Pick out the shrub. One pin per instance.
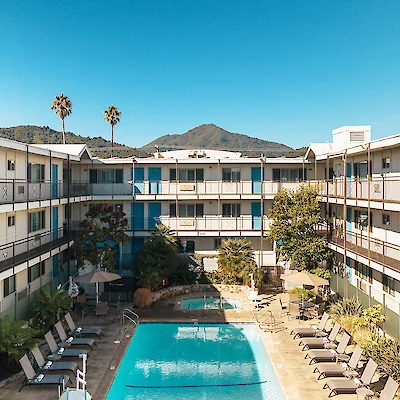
(304, 293)
(349, 306)
(322, 272)
(142, 298)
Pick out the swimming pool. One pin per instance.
(192, 362)
(211, 302)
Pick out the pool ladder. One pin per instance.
(130, 316)
(266, 321)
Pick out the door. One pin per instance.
(155, 180)
(349, 183)
(154, 212)
(256, 179)
(138, 180)
(54, 222)
(256, 215)
(54, 180)
(349, 224)
(138, 216)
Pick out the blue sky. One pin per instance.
(285, 71)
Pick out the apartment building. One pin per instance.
(359, 182)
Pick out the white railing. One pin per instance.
(130, 316)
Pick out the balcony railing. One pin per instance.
(19, 251)
(378, 250)
(15, 190)
(377, 189)
(202, 224)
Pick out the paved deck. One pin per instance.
(294, 373)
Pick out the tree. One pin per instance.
(296, 215)
(63, 106)
(236, 262)
(16, 339)
(103, 228)
(164, 231)
(51, 306)
(112, 115)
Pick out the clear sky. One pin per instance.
(288, 71)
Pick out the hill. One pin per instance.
(210, 136)
(43, 134)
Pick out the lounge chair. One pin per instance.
(51, 366)
(319, 343)
(74, 330)
(390, 389)
(63, 352)
(71, 341)
(329, 355)
(344, 386)
(330, 369)
(34, 379)
(309, 332)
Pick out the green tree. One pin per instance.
(236, 262)
(16, 339)
(296, 216)
(112, 115)
(51, 306)
(63, 106)
(165, 232)
(98, 235)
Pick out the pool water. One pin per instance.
(195, 362)
(209, 302)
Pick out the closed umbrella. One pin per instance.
(305, 278)
(97, 277)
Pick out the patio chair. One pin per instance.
(71, 341)
(62, 351)
(53, 365)
(319, 343)
(74, 330)
(294, 311)
(101, 309)
(390, 389)
(315, 312)
(344, 386)
(116, 305)
(329, 355)
(309, 332)
(330, 369)
(34, 379)
(284, 309)
(293, 297)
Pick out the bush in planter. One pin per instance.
(304, 294)
(16, 339)
(142, 298)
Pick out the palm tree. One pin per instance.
(165, 232)
(112, 115)
(63, 106)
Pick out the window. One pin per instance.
(385, 219)
(191, 210)
(289, 174)
(37, 221)
(231, 210)
(361, 220)
(231, 174)
(9, 285)
(363, 271)
(35, 271)
(36, 172)
(187, 175)
(361, 170)
(172, 210)
(386, 163)
(389, 284)
(106, 176)
(11, 165)
(11, 220)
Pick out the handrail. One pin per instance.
(265, 312)
(131, 316)
(263, 324)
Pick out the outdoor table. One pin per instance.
(364, 392)
(75, 395)
(330, 345)
(342, 357)
(54, 357)
(350, 374)
(321, 334)
(304, 304)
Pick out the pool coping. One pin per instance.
(178, 301)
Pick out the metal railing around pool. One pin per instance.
(130, 316)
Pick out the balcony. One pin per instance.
(212, 224)
(22, 250)
(377, 189)
(383, 253)
(16, 191)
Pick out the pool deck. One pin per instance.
(294, 373)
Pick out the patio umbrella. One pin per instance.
(305, 278)
(97, 277)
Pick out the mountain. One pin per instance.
(43, 134)
(210, 136)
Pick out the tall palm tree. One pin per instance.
(112, 115)
(63, 106)
(165, 232)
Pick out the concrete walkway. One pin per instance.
(293, 371)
